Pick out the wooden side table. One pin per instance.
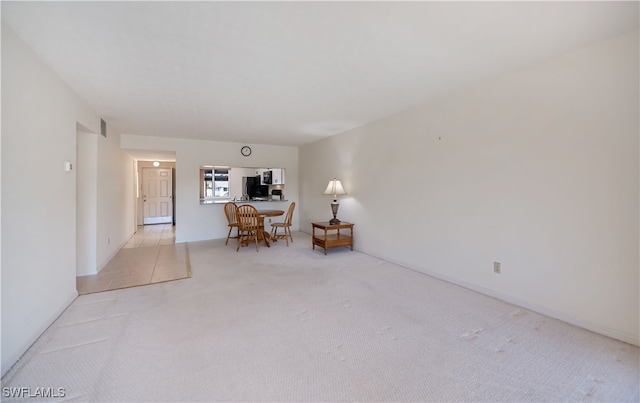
(332, 240)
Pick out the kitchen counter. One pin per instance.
(238, 202)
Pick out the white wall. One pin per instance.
(537, 170)
(116, 187)
(195, 222)
(235, 180)
(39, 118)
(86, 201)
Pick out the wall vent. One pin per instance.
(103, 128)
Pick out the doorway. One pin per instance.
(157, 196)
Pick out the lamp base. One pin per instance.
(334, 210)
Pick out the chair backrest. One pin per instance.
(289, 216)
(248, 217)
(230, 212)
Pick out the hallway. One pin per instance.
(152, 235)
(150, 256)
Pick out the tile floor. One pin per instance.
(152, 235)
(151, 256)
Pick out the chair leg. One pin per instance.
(254, 235)
(228, 235)
(241, 238)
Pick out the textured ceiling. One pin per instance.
(290, 73)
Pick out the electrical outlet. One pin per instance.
(497, 267)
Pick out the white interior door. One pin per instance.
(157, 196)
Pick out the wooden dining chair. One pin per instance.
(286, 226)
(249, 225)
(232, 221)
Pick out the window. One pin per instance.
(215, 183)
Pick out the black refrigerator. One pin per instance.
(251, 185)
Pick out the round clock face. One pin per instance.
(246, 151)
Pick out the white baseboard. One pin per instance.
(113, 254)
(28, 342)
(605, 331)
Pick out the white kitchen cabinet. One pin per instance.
(277, 176)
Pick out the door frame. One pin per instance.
(142, 164)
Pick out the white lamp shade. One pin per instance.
(334, 188)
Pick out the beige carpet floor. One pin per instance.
(290, 324)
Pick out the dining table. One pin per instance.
(264, 235)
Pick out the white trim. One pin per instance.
(112, 255)
(26, 345)
(157, 220)
(605, 331)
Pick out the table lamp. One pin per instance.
(334, 188)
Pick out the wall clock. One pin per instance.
(246, 151)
